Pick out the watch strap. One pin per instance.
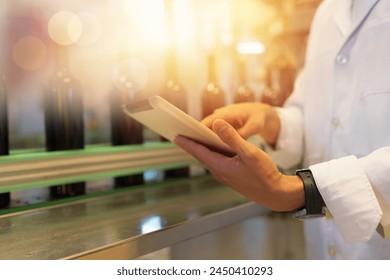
(314, 204)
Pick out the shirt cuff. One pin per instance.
(347, 193)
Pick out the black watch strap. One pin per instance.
(314, 204)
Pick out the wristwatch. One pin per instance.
(314, 204)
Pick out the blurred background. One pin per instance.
(247, 50)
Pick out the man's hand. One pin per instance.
(249, 119)
(251, 172)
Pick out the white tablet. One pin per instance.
(169, 121)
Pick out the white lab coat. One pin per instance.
(338, 118)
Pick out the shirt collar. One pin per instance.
(347, 14)
(360, 8)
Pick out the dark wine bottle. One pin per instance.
(5, 198)
(64, 125)
(125, 87)
(213, 97)
(272, 93)
(243, 93)
(280, 77)
(175, 93)
(124, 130)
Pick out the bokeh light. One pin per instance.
(29, 53)
(250, 48)
(65, 28)
(91, 29)
(130, 75)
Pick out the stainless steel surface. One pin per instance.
(125, 224)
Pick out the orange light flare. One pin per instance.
(29, 53)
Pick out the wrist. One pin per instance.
(294, 190)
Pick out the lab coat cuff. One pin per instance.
(349, 197)
(377, 167)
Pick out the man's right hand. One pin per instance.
(249, 119)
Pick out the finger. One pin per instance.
(248, 129)
(229, 117)
(208, 121)
(233, 139)
(200, 152)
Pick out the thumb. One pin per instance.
(230, 136)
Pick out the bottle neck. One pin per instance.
(211, 69)
(275, 80)
(171, 66)
(242, 73)
(61, 61)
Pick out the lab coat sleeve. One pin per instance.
(289, 147)
(347, 186)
